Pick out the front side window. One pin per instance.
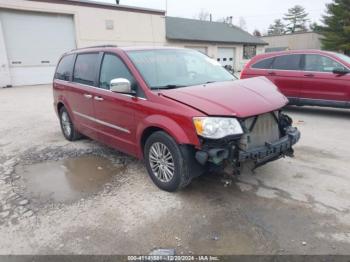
(85, 69)
(177, 68)
(263, 64)
(343, 57)
(65, 68)
(112, 67)
(319, 63)
(249, 51)
(287, 62)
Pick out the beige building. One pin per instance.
(297, 41)
(34, 33)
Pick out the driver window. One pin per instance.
(112, 67)
(318, 63)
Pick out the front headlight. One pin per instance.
(217, 127)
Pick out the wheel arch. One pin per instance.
(161, 123)
(62, 102)
(59, 105)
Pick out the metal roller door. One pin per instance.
(33, 43)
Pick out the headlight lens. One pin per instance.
(217, 127)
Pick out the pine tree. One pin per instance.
(336, 29)
(277, 28)
(296, 19)
(314, 27)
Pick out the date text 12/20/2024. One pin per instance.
(173, 258)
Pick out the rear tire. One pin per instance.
(165, 163)
(67, 126)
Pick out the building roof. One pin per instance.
(206, 31)
(291, 34)
(276, 49)
(96, 4)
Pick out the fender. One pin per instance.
(173, 128)
(63, 100)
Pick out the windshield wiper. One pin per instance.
(167, 87)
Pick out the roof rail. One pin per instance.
(96, 46)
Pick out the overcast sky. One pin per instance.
(257, 13)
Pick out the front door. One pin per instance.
(115, 111)
(321, 83)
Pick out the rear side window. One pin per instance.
(287, 62)
(85, 69)
(263, 64)
(65, 68)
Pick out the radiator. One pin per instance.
(264, 130)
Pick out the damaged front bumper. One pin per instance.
(260, 155)
(281, 147)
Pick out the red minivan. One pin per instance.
(175, 108)
(306, 77)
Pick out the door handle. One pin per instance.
(98, 98)
(272, 73)
(87, 96)
(309, 75)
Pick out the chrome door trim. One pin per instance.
(102, 122)
(104, 90)
(98, 98)
(88, 96)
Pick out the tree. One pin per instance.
(277, 28)
(117, 2)
(296, 19)
(242, 23)
(203, 15)
(336, 29)
(314, 27)
(257, 33)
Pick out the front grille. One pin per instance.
(264, 129)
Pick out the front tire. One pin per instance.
(165, 162)
(67, 126)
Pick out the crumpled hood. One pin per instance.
(240, 98)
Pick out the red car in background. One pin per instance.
(306, 77)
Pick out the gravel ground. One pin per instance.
(291, 206)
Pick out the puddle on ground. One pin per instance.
(67, 180)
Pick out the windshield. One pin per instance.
(343, 57)
(173, 68)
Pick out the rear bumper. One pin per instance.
(278, 148)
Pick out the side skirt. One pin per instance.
(318, 102)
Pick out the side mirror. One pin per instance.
(341, 71)
(120, 85)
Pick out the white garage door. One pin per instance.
(226, 56)
(34, 42)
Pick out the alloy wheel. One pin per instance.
(161, 162)
(66, 124)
